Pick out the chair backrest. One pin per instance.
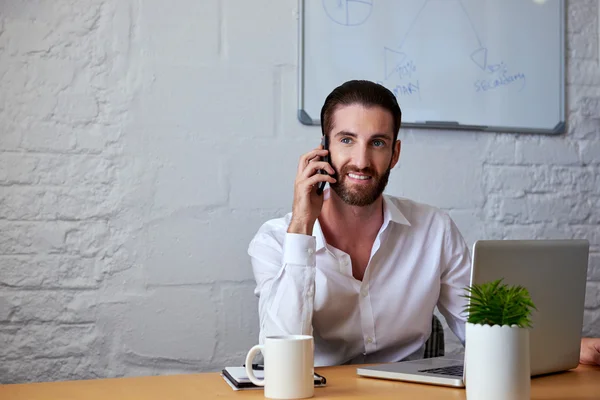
(434, 347)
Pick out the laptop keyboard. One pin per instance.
(453, 370)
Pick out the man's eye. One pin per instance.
(378, 143)
(346, 140)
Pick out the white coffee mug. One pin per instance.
(288, 366)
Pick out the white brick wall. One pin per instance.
(142, 143)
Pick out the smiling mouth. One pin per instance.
(359, 177)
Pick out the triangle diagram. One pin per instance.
(479, 57)
(392, 60)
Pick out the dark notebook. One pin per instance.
(237, 378)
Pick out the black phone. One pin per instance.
(327, 159)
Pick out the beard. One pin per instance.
(357, 196)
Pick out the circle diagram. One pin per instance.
(348, 12)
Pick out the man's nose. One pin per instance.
(362, 157)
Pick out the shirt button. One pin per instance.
(369, 340)
(310, 252)
(364, 293)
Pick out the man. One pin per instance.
(359, 270)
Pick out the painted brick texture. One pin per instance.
(142, 143)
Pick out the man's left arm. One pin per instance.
(455, 277)
(590, 351)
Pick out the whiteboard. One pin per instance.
(496, 65)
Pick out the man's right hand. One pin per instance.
(307, 203)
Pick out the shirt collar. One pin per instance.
(391, 213)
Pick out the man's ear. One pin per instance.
(396, 153)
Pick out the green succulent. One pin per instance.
(496, 303)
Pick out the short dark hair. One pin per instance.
(362, 92)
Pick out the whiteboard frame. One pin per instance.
(560, 127)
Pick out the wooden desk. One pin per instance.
(342, 383)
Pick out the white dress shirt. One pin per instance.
(305, 286)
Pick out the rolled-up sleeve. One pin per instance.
(284, 271)
(455, 277)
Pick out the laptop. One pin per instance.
(554, 272)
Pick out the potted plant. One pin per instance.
(497, 365)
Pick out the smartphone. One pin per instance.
(327, 159)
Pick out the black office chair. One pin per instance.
(434, 346)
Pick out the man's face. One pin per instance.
(363, 152)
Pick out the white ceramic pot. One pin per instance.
(497, 364)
